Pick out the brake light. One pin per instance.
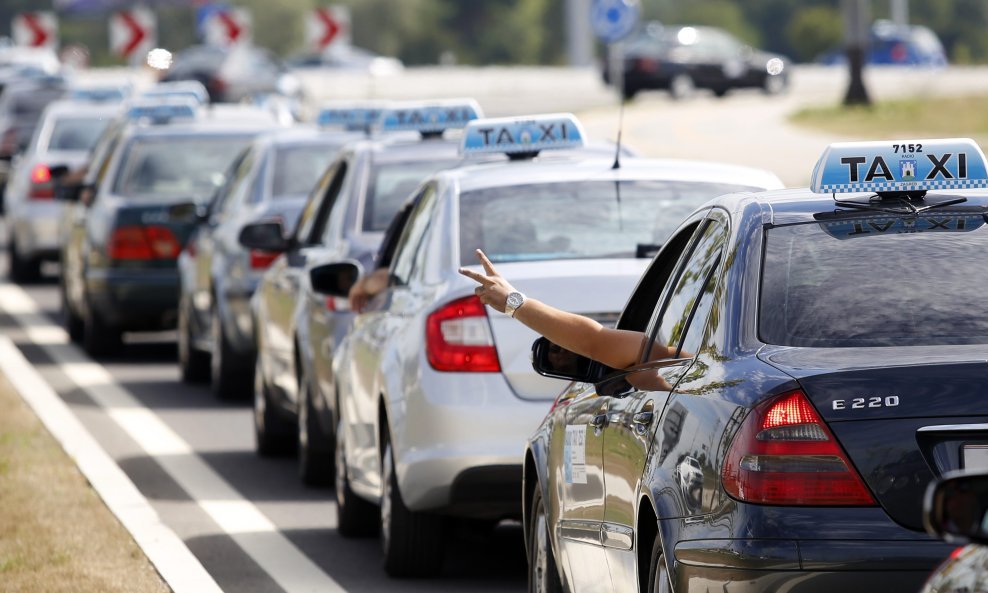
(784, 454)
(458, 338)
(42, 187)
(261, 260)
(136, 242)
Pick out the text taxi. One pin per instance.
(828, 367)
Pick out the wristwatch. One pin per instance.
(515, 300)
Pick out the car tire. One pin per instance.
(681, 87)
(23, 270)
(412, 542)
(355, 517)
(273, 435)
(658, 576)
(543, 574)
(98, 337)
(72, 323)
(193, 363)
(315, 448)
(228, 371)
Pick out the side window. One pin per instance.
(676, 308)
(411, 239)
(313, 219)
(229, 194)
(105, 164)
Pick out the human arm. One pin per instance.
(615, 348)
(366, 287)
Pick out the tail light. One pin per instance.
(647, 65)
(42, 187)
(261, 260)
(458, 338)
(136, 242)
(784, 454)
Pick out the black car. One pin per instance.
(232, 74)
(680, 59)
(124, 235)
(828, 365)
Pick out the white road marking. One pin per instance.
(236, 516)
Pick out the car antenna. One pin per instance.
(617, 151)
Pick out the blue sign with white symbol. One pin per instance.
(353, 118)
(523, 135)
(430, 118)
(100, 94)
(613, 20)
(913, 165)
(158, 111)
(187, 89)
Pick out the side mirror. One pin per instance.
(956, 507)
(550, 360)
(264, 235)
(335, 279)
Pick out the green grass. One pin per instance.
(929, 117)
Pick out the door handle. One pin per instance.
(642, 420)
(597, 422)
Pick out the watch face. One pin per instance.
(514, 300)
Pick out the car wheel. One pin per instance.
(315, 447)
(681, 87)
(22, 269)
(543, 576)
(774, 85)
(272, 434)
(71, 322)
(98, 337)
(355, 517)
(228, 372)
(658, 576)
(412, 542)
(193, 363)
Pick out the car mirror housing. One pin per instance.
(551, 360)
(956, 507)
(335, 279)
(265, 235)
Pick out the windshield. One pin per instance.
(875, 281)
(393, 183)
(297, 168)
(577, 220)
(178, 166)
(76, 133)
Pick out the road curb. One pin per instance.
(176, 564)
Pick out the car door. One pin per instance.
(632, 416)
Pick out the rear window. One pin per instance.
(875, 281)
(577, 220)
(76, 133)
(297, 168)
(391, 184)
(176, 167)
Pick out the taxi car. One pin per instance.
(825, 373)
(66, 132)
(217, 276)
(123, 237)
(436, 398)
(345, 218)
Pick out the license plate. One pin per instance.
(975, 457)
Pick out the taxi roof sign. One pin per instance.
(192, 89)
(433, 117)
(906, 166)
(159, 111)
(350, 116)
(100, 94)
(523, 135)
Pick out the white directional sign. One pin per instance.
(132, 32)
(228, 26)
(328, 26)
(35, 29)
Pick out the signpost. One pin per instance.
(328, 26)
(226, 26)
(612, 21)
(35, 29)
(133, 33)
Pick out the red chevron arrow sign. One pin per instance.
(35, 29)
(132, 32)
(328, 26)
(228, 27)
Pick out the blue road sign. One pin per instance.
(613, 20)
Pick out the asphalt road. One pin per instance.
(249, 520)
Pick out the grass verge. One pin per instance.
(929, 117)
(56, 536)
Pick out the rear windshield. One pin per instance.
(176, 167)
(577, 220)
(391, 184)
(76, 133)
(297, 168)
(875, 281)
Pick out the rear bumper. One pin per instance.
(36, 229)
(135, 300)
